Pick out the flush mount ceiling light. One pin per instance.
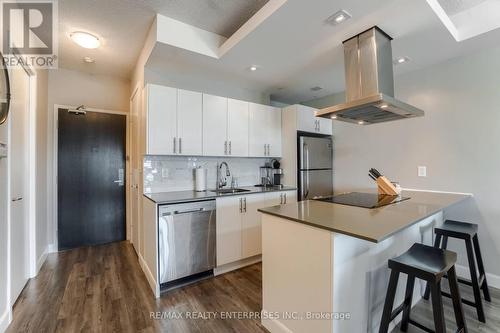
(361, 122)
(88, 60)
(85, 40)
(401, 60)
(339, 17)
(333, 117)
(253, 68)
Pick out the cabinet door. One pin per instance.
(161, 120)
(214, 125)
(274, 198)
(325, 126)
(289, 197)
(306, 120)
(258, 128)
(189, 122)
(237, 132)
(274, 131)
(251, 226)
(228, 230)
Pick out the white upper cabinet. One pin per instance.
(257, 139)
(182, 122)
(274, 132)
(308, 122)
(189, 122)
(215, 126)
(237, 131)
(161, 120)
(265, 131)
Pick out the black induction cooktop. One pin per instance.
(365, 200)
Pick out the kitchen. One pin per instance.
(281, 163)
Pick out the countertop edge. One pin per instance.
(372, 240)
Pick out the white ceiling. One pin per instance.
(122, 25)
(294, 48)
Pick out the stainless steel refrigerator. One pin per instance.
(315, 162)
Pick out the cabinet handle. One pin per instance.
(225, 147)
(281, 198)
(241, 205)
(180, 145)
(268, 149)
(265, 149)
(230, 148)
(17, 199)
(245, 204)
(284, 196)
(175, 145)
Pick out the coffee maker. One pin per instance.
(276, 175)
(271, 174)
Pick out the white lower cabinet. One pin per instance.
(239, 224)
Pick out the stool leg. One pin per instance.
(437, 241)
(457, 300)
(407, 303)
(480, 267)
(475, 282)
(437, 307)
(444, 246)
(389, 302)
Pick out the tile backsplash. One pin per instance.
(176, 173)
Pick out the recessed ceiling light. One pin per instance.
(85, 40)
(401, 60)
(253, 68)
(339, 17)
(361, 122)
(333, 117)
(88, 60)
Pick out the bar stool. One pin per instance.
(429, 264)
(467, 232)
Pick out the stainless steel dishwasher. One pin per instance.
(186, 240)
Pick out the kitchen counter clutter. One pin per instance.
(184, 196)
(328, 260)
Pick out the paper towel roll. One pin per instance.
(200, 181)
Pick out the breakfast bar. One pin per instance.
(325, 264)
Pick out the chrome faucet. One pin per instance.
(222, 181)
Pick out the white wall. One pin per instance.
(4, 309)
(41, 169)
(68, 87)
(458, 141)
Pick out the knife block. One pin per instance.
(385, 186)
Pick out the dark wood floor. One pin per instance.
(102, 289)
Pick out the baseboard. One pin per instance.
(5, 321)
(155, 287)
(273, 325)
(41, 260)
(237, 265)
(493, 280)
(52, 248)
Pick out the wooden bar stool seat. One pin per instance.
(468, 233)
(430, 264)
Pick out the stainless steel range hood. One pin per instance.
(369, 83)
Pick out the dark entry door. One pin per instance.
(91, 178)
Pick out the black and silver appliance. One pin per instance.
(315, 163)
(364, 200)
(186, 242)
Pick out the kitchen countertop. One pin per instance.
(373, 225)
(185, 196)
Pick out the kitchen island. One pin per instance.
(325, 265)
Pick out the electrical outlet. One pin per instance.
(422, 171)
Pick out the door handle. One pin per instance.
(17, 199)
(121, 177)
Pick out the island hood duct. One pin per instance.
(369, 83)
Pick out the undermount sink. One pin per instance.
(229, 190)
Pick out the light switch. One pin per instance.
(422, 171)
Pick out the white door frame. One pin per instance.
(136, 91)
(55, 246)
